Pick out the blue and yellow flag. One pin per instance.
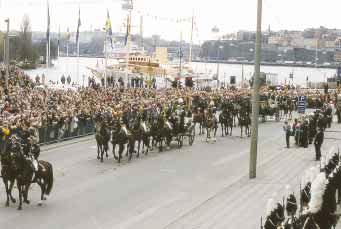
(108, 28)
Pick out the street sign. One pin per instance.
(302, 101)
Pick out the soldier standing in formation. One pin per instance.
(318, 143)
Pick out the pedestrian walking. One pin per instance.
(318, 143)
(287, 130)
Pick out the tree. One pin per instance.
(25, 49)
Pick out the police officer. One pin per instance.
(318, 143)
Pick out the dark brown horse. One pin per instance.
(44, 178)
(8, 173)
(198, 118)
(211, 125)
(102, 137)
(24, 176)
(226, 121)
(244, 122)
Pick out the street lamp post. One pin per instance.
(255, 96)
(7, 54)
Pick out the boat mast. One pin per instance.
(141, 31)
(180, 67)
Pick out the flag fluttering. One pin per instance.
(108, 28)
(78, 26)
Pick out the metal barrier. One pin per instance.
(65, 131)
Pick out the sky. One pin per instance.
(160, 16)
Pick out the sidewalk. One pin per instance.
(242, 204)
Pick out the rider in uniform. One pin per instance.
(4, 133)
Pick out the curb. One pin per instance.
(61, 144)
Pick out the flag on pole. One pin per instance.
(78, 26)
(108, 28)
(48, 23)
(128, 31)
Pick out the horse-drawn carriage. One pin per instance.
(269, 108)
(184, 128)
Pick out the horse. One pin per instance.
(276, 218)
(235, 113)
(164, 132)
(102, 137)
(121, 136)
(24, 176)
(226, 121)
(8, 174)
(198, 118)
(141, 133)
(211, 124)
(44, 178)
(244, 121)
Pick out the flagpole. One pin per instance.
(128, 47)
(58, 41)
(49, 51)
(105, 62)
(77, 60)
(191, 44)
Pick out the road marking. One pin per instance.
(148, 212)
(229, 158)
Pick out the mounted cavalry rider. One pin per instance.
(30, 146)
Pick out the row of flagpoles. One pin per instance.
(108, 30)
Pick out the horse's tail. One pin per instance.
(49, 178)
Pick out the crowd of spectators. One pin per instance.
(59, 113)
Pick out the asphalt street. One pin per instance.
(201, 186)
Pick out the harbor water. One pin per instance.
(79, 72)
